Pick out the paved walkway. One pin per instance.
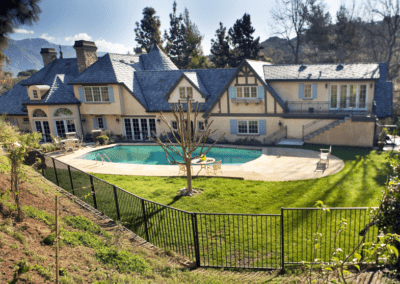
(275, 164)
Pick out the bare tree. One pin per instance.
(290, 20)
(383, 30)
(188, 137)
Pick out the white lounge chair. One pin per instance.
(324, 155)
(214, 167)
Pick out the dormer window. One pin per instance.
(96, 94)
(35, 94)
(185, 92)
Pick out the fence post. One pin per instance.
(70, 178)
(116, 202)
(93, 192)
(55, 171)
(282, 242)
(145, 221)
(196, 239)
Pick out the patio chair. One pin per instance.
(214, 167)
(182, 168)
(69, 144)
(324, 155)
(80, 144)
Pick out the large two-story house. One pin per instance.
(125, 95)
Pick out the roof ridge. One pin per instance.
(182, 70)
(293, 64)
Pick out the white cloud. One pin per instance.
(80, 36)
(23, 31)
(47, 37)
(107, 46)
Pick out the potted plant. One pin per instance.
(382, 139)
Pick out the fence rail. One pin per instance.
(255, 241)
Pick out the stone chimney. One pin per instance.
(85, 54)
(48, 55)
(139, 50)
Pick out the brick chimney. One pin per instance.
(85, 54)
(48, 55)
(139, 50)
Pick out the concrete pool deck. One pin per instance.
(275, 164)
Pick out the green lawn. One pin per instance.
(359, 184)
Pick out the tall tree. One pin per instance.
(243, 42)
(384, 28)
(220, 47)
(175, 38)
(148, 31)
(193, 56)
(317, 33)
(290, 20)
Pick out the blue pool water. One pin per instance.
(155, 155)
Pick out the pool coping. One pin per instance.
(275, 164)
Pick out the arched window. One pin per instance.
(63, 112)
(39, 113)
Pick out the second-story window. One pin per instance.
(35, 94)
(246, 92)
(307, 91)
(185, 92)
(96, 94)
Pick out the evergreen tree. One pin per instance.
(244, 44)
(220, 48)
(175, 38)
(148, 31)
(345, 35)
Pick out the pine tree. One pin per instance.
(175, 38)
(148, 31)
(220, 48)
(345, 35)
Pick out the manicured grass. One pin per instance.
(359, 184)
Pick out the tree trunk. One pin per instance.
(189, 176)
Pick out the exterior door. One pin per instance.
(43, 127)
(139, 129)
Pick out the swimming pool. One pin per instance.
(155, 155)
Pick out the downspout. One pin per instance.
(80, 119)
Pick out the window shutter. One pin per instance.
(232, 92)
(260, 92)
(104, 123)
(94, 122)
(262, 127)
(314, 91)
(81, 94)
(233, 123)
(111, 94)
(301, 90)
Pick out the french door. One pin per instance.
(43, 127)
(64, 126)
(139, 128)
(347, 97)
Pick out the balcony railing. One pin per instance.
(306, 107)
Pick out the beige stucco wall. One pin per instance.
(114, 127)
(49, 110)
(289, 91)
(295, 126)
(131, 105)
(175, 96)
(100, 108)
(349, 133)
(41, 90)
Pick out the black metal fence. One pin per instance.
(257, 241)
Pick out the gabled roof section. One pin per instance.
(194, 79)
(343, 71)
(255, 68)
(155, 84)
(60, 93)
(11, 101)
(156, 60)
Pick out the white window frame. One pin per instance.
(65, 124)
(98, 121)
(248, 127)
(252, 95)
(358, 89)
(92, 94)
(35, 94)
(305, 95)
(140, 127)
(186, 93)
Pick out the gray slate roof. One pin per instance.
(344, 71)
(155, 84)
(157, 60)
(11, 101)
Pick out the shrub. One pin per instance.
(124, 260)
(102, 139)
(84, 224)
(40, 215)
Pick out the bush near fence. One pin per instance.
(262, 241)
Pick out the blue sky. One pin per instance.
(111, 23)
